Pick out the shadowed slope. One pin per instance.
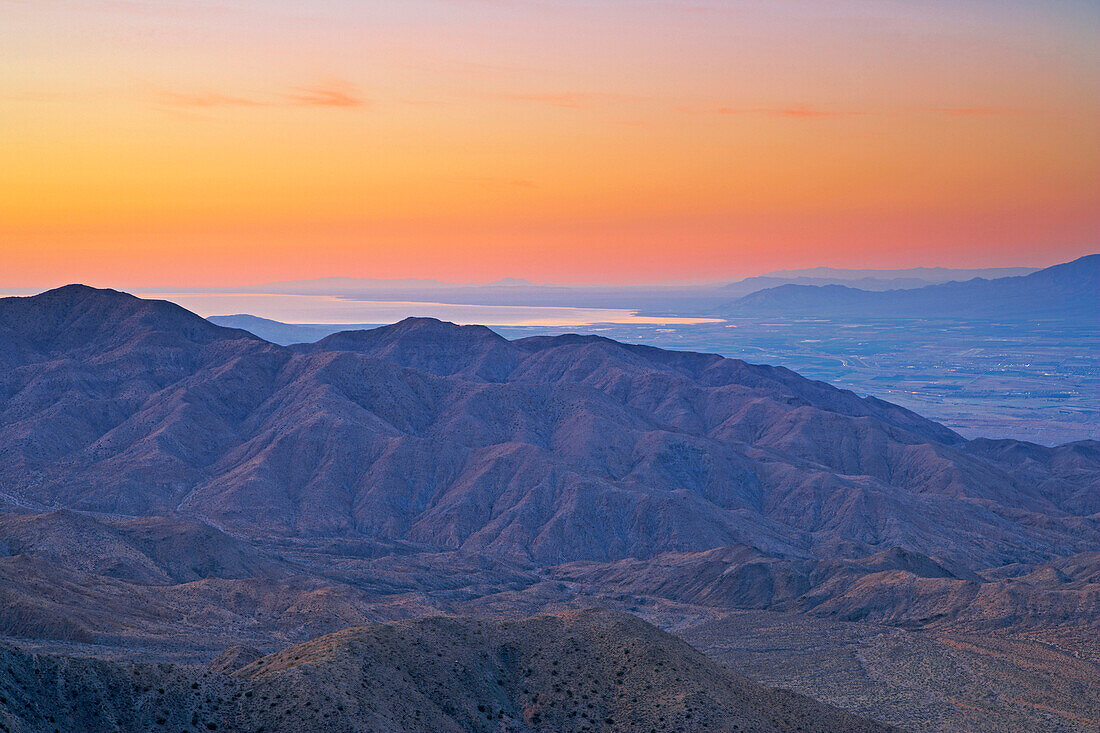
(172, 488)
(587, 670)
(546, 449)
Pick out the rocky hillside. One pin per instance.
(544, 450)
(170, 489)
(578, 671)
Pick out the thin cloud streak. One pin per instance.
(807, 112)
(800, 111)
(338, 94)
(970, 111)
(208, 99)
(569, 100)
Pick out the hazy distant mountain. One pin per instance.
(342, 285)
(278, 332)
(679, 298)
(916, 276)
(874, 280)
(763, 282)
(675, 299)
(925, 274)
(1067, 291)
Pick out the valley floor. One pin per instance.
(935, 680)
(1038, 382)
(920, 680)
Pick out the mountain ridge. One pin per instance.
(1066, 290)
(565, 672)
(171, 489)
(235, 422)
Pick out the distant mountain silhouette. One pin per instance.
(872, 280)
(928, 275)
(1066, 291)
(278, 332)
(683, 298)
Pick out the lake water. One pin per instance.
(330, 309)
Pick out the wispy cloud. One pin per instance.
(808, 112)
(969, 111)
(207, 99)
(571, 100)
(798, 111)
(335, 93)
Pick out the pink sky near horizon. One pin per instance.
(194, 142)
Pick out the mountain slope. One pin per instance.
(170, 488)
(544, 450)
(588, 670)
(1066, 291)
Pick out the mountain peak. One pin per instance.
(413, 328)
(76, 316)
(510, 281)
(79, 290)
(416, 323)
(430, 345)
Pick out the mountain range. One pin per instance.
(545, 449)
(1066, 291)
(507, 290)
(649, 298)
(172, 487)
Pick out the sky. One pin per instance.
(149, 143)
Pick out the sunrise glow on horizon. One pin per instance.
(154, 143)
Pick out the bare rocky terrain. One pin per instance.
(174, 491)
(576, 671)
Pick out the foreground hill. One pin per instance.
(1066, 291)
(577, 671)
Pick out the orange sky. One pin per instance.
(150, 143)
